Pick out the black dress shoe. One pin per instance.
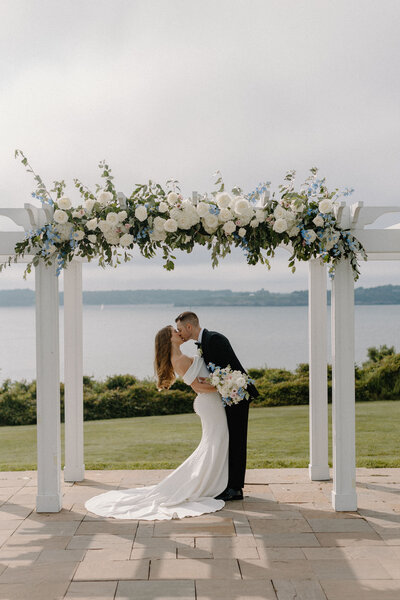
(230, 494)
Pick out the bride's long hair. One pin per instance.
(162, 362)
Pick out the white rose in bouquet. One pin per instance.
(141, 213)
(294, 231)
(280, 225)
(242, 232)
(229, 227)
(202, 209)
(225, 215)
(242, 207)
(325, 206)
(112, 237)
(60, 216)
(92, 224)
(104, 226)
(64, 203)
(92, 238)
(183, 222)
(126, 240)
(89, 203)
(163, 207)
(78, 235)
(159, 223)
(122, 215)
(158, 236)
(211, 221)
(260, 215)
(172, 198)
(279, 212)
(318, 221)
(175, 213)
(103, 197)
(254, 223)
(170, 225)
(112, 218)
(223, 200)
(78, 213)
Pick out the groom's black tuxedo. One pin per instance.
(217, 349)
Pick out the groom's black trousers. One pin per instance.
(237, 416)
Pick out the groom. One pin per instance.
(216, 348)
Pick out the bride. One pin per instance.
(190, 490)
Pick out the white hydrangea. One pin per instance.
(202, 209)
(158, 223)
(280, 225)
(89, 203)
(242, 206)
(122, 215)
(64, 203)
(92, 238)
(225, 215)
(112, 218)
(242, 232)
(163, 207)
(60, 216)
(325, 206)
(170, 225)
(279, 212)
(103, 197)
(172, 198)
(141, 212)
(92, 224)
(318, 221)
(126, 239)
(229, 227)
(223, 200)
(78, 235)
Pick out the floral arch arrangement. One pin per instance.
(107, 227)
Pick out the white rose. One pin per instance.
(79, 235)
(170, 225)
(294, 231)
(260, 215)
(112, 237)
(318, 221)
(122, 215)
(104, 226)
(158, 223)
(229, 227)
(158, 236)
(225, 214)
(112, 219)
(141, 212)
(89, 204)
(64, 203)
(242, 206)
(60, 216)
(310, 235)
(242, 232)
(172, 198)
(223, 200)
(92, 238)
(279, 212)
(126, 240)
(163, 207)
(92, 224)
(325, 206)
(202, 209)
(103, 197)
(240, 381)
(175, 213)
(183, 222)
(211, 221)
(254, 223)
(280, 225)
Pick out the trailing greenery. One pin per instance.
(122, 396)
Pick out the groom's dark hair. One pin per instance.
(188, 317)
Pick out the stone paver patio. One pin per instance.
(283, 542)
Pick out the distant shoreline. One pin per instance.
(381, 295)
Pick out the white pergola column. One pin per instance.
(344, 495)
(48, 497)
(74, 469)
(318, 467)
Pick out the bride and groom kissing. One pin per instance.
(215, 471)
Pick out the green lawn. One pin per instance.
(278, 437)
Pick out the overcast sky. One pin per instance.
(181, 88)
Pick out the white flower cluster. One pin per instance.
(230, 384)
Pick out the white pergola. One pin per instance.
(380, 244)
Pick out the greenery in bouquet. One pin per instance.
(107, 226)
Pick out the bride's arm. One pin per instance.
(181, 366)
(202, 388)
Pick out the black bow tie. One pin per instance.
(198, 344)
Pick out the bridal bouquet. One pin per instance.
(230, 384)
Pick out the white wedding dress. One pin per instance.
(189, 490)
